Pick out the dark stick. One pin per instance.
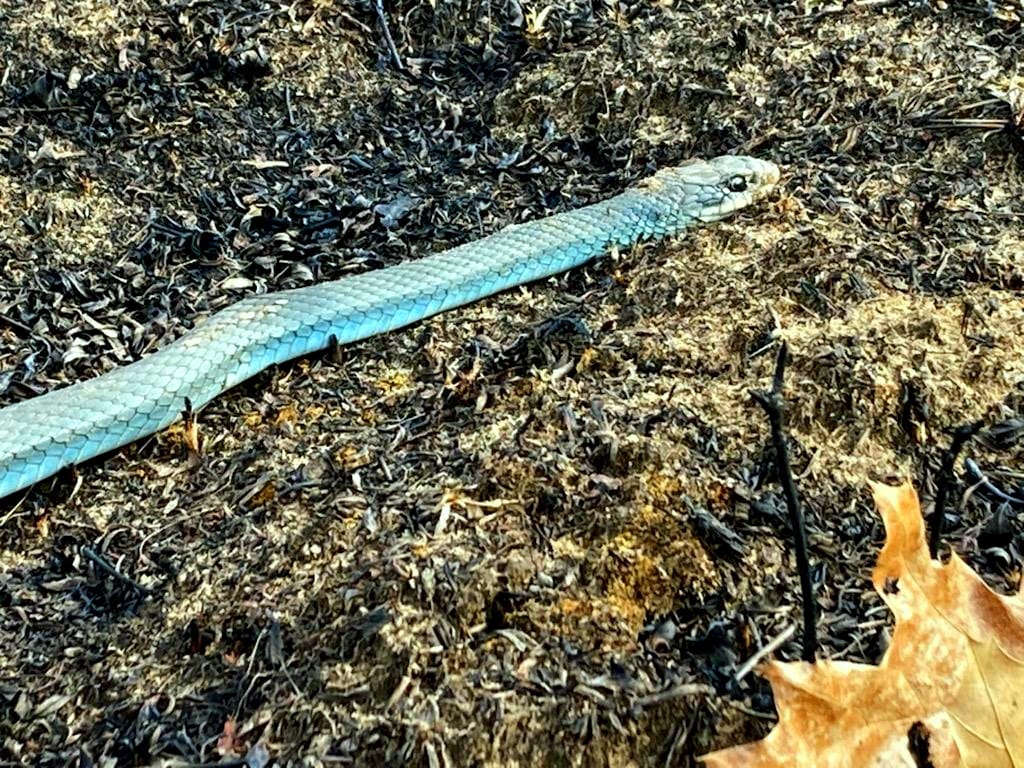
(378, 6)
(15, 324)
(961, 435)
(773, 404)
(110, 570)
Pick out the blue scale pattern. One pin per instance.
(41, 435)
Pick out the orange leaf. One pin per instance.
(949, 692)
(227, 742)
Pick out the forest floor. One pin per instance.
(543, 529)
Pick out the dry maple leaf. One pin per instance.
(227, 742)
(948, 692)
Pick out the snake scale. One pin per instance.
(41, 435)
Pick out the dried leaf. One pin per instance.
(947, 692)
(227, 742)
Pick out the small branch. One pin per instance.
(961, 435)
(774, 644)
(684, 689)
(772, 403)
(985, 482)
(378, 6)
(15, 324)
(100, 562)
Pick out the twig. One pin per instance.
(110, 570)
(772, 403)
(775, 643)
(961, 435)
(683, 689)
(985, 482)
(378, 6)
(15, 324)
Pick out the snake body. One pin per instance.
(41, 435)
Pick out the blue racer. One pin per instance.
(42, 435)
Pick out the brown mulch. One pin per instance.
(544, 529)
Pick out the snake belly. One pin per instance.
(41, 435)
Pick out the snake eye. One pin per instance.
(737, 184)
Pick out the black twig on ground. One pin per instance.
(101, 562)
(382, 18)
(772, 402)
(961, 435)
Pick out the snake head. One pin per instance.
(708, 190)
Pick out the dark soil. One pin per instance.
(544, 529)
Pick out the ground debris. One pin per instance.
(540, 530)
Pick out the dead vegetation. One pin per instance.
(542, 530)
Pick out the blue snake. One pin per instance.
(42, 435)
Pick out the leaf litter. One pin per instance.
(309, 579)
(947, 691)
